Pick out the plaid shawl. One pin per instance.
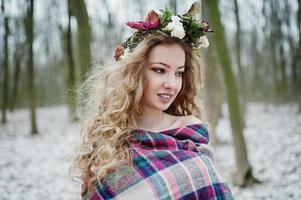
(171, 164)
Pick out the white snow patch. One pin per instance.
(37, 167)
(273, 137)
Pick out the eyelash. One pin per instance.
(180, 74)
(161, 71)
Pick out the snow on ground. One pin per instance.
(37, 167)
(273, 137)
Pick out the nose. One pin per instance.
(170, 83)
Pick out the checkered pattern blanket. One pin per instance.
(171, 164)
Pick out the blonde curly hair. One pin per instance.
(109, 106)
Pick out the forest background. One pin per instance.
(46, 47)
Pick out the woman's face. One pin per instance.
(165, 69)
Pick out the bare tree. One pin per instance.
(5, 65)
(173, 5)
(243, 174)
(29, 24)
(71, 69)
(241, 73)
(296, 63)
(79, 10)
(212, 85)
(18, 56)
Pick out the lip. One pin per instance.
(162, 100)
(165, 93)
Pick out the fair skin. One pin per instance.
(165, 68)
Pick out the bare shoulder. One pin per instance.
(182, 121)
(189, 119)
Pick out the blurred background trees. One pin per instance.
(46, 47)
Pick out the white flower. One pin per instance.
(178, 32)
(176, 27)
(204, 41)
(175, 19)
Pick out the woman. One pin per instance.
(142, 136)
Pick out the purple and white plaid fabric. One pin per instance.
(171, 164)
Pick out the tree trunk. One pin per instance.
(290, 38)
(297, 62)
(17, 60)
(277, 22)
(30, 66)
(268, 62)
(173, 5)
(297, 53)
(244, 170)
(257, 80)
(213, 94)
(79, 10)
(5, 66)
(109, 25)
(241, 73)
(71, 71)
(212, 82)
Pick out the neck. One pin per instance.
(151, 119)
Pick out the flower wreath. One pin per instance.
(185, 27)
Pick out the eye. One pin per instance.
(158, 70)
(180, 74)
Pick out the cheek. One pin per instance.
(146, 88)
(180, 85)
(179, 88)
(149, 85)
(152, 81)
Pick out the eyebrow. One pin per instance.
(166, 65)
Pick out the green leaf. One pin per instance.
(165, 18)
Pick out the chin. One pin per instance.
(163, 107)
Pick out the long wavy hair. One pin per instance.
(109, 107)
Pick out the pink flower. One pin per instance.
(152, 21)
(137, 25)
(205, 26)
